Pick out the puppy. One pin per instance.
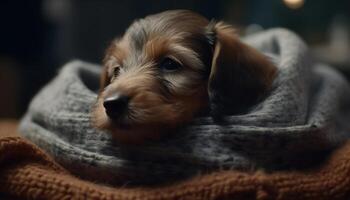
(169, 66)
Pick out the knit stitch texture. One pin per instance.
(26, 172)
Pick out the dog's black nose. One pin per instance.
(115, 105)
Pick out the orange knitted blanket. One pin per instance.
(26, 172)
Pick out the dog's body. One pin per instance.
(169, 66)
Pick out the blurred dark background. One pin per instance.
(38, 36)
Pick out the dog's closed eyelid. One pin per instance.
(175, 59)
(116, 71)
(113, 70)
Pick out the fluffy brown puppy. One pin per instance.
(169, 66)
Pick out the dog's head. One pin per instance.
(170, 65)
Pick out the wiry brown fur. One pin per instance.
(216, 69)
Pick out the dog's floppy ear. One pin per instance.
(239, 74)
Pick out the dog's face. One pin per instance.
(169, 66)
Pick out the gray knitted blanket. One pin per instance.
(304, 117)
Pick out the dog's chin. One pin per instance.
(126, 131)
(122, 125)
(134, 133)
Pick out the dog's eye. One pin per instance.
(169, 65)
(116, 71)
